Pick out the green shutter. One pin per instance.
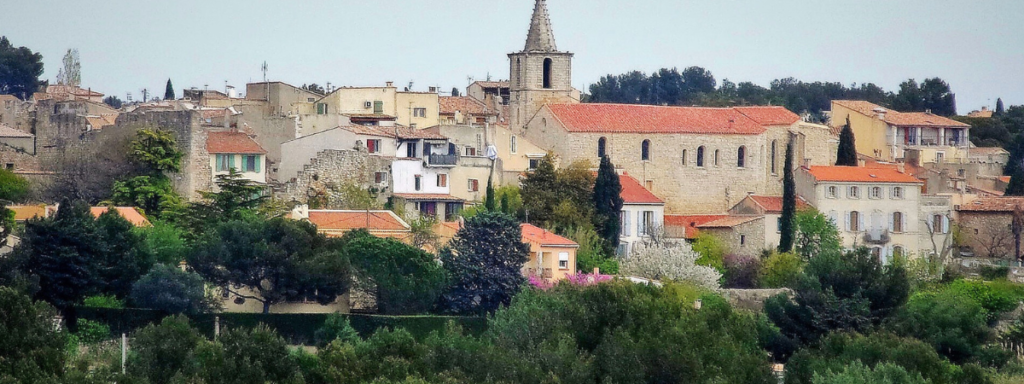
(231, 160)
(257, 163)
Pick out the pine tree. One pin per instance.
(169, 91)
(1016, 185)
(999, 107)
(607, 203)
(847, 153)
(788, 203)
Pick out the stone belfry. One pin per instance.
(540, 73)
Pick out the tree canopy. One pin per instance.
(20, 69)
(484, 263)
(846, 155)
(607, 203)
(169, 91)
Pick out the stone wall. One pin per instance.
(195, 172)
(333, 168)
(988, 233)
(745, 239)
(269, 131)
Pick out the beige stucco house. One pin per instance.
(890, 135)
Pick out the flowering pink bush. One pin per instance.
(579, 279)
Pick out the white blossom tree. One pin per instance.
(670, 261)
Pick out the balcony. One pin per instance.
(442, 160)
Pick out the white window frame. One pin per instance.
(897, 193)
(853, 192)
(563, 260)
(831, 191)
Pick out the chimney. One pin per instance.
(880, 112)
(901, 167)
(389, 84)
(432, 89)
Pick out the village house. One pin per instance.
(987, 225)
(891, 136)
(236, 150)
(335, 223)
(552, 257)
(642, 214)
(465, 110)
(373, 105)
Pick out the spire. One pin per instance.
(540, 38)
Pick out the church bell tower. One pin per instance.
(540, 73)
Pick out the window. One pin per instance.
(419, 112)
(684, 157)
(250, 163)
(223, 162)
(626, 227)
(418, 181)
(442, 180)
(378, 107)
(380, 177)
(961, 172)
(514, 146)
(897, 222)
(373, 146)
(897, 192)
(897, 251)
(647, 222)
(853, 223)
(778, 225)
(743, 239)
(831, 191)
(321, 108)
(700, 156)
(645, 150)
(716, 157)
(470, 151)
(534, 163)
(410, 149)
(310, 99)
(876, 192)
(474, 185)
(741, 156)
(547, 72)
(774, 170)
(937, 224)
(938, 157)
(563, 260)
(853, 193)
(9, 166)
(601, 147)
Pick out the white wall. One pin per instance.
(875, 214)
(259, 177)
(634, 234)
(403, 174)
(295, 154)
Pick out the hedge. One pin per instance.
(296, 328)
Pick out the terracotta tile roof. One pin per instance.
(993, 204)
(8, 131)
(427, 196)
(773, 204)
(211, 113)
(348, 220)
(634, 193)
(860, 175)
(232, 142)
(688, 223)
(25, 212)
(1005, 179)
(769, 115)
(898, 118)
(71, 90)
(987, 151)
(399, 132)
(128, 213)
(492, 84)
(629, 118)
(729, 221)
(463, 104)
(543, 237)
(98, 122)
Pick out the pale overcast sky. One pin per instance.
(975, 45)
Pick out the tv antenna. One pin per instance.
(264, 69)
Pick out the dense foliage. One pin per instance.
(788, 218)
(559, 198)
(20, 69)
(13, 188)
(484, 263)
(404, 279)
(167, 288)
(31, 351)
(608, 203)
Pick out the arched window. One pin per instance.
(601, 147)
(854, 223)
(684, 157)
(700, 156)
(773, 156)
(547, 73)
(716, 157)
(741, 156)
(897, 222)
(897, 251)
(645, 150)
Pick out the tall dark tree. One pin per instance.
(20, 69)
(484, 263)
(1016, 160)
(1016, 185)
(788, 219)
(169, 91)
(489, 202)
(999, 107)
(455, 91)
(607, 203)
(113, 101)
(847, 153)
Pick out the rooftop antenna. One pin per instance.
(469, 80)
(488, 75)
(264, 69)
(410, 85)
(145, 94)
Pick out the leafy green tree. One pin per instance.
(847, 152)
(244, 356)
(170, 289)
(157, 150)
(315, 88)
(788, 203)
(273, 260)
(881, 374)
(21, 69)
(1014, 163)
(489, 202)
(591, 253)
(839, 350)
(154, 194)
(608, 203)
(123, 258)
(816, 234)
(161, 352)
(932, 94)
(336, 327)
(953, 323)
(780, 270)
(711, 250)
(13, 187)
(483, 263)
(237, 196)
(169, 91)
(406, 280)
(7, 225)
(559, 199)
(165, 242)
(455, 91)
(103, 301)
(30, 349)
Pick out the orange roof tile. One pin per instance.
(25, 212)
(993, 204)
(130, 214)
(860, 175)
(728, 221)
(232, 142)
(899, 118)
(1005, 179)
(689, 223)
(464, 104)
(348, 220)
(399, 132)
(769, 115)
(634, 193)
(538, 235)
(773, 204)
(7, 131)
(629, 118)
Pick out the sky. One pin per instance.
(977, 46)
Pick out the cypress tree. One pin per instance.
(169, 91)
(847, 153)
(1016, 185)
(999, 107)
(1016, 149)
(489, 199)
(788, 203)
(607, 202)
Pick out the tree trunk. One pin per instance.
(266, 307)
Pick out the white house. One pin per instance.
(874, 207)
(642, 213)
(232, 149)
(421, 175)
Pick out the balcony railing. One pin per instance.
(435, 159)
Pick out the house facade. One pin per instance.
(236, 150)
(987, 225)
(643, 214)
(890, 135)
(552, 257)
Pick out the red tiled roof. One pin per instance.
(7, 131)
(860, 174)
(898, 118)
(232, 142)
(1005, 179)
(535, 234)
(773, 204)
(629, 118)
(993, 204)
(768, 115)
(492, 84)
(729, 221)
(690, 222)
(128, 213)
(427, 196)
(634, 193)
(399, 132)
(25, 212)
(464, 104)
(348, 220)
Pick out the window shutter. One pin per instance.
(231, 160)
(847, 225)
(834, 216)
(861, 227)
(892, 219)
(640, 230)
(945, 224)
(626, 226)
(258, 163)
